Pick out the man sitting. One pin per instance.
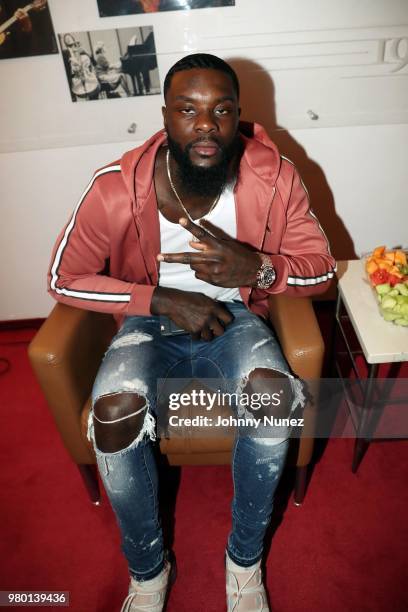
(200, 225)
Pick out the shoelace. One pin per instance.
(160, 597)
(127, 604)
(240, 590)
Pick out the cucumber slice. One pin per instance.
(390, 316)
(383, 288)
(402, 288)
(388, 302)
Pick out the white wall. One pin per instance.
(353, 158)
(39, 190)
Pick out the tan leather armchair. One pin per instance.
(67, 350)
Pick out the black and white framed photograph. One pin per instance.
(26, 29)
(105, 64)
(109, 8)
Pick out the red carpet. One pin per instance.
(345, 549)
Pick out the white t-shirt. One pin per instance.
(174, 239)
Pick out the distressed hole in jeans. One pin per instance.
(269, 392)
(121, 419)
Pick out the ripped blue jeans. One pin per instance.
(137, 357)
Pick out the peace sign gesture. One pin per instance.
(221, 260)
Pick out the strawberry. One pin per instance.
(379, 277)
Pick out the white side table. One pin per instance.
(380, 341)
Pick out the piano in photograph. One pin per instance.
(137, 62)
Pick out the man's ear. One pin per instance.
(164, 113)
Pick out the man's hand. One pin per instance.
(222, 261)
(198, 314)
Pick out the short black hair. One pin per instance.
(201, 60)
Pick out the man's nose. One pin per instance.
(205, 122)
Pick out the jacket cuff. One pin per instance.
(140, 300)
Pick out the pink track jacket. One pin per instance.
(105, 257)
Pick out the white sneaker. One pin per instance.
(150, 595)
(245, 589)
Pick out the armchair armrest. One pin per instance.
(297, 329)
(298, 332)
(65, 355)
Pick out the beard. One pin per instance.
(206, 181)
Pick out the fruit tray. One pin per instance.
(387, 272)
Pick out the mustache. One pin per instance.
(202, 140)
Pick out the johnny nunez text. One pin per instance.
(231, 421)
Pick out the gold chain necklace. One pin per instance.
(213, 205)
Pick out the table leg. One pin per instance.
(363, 436)
(333, 340)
